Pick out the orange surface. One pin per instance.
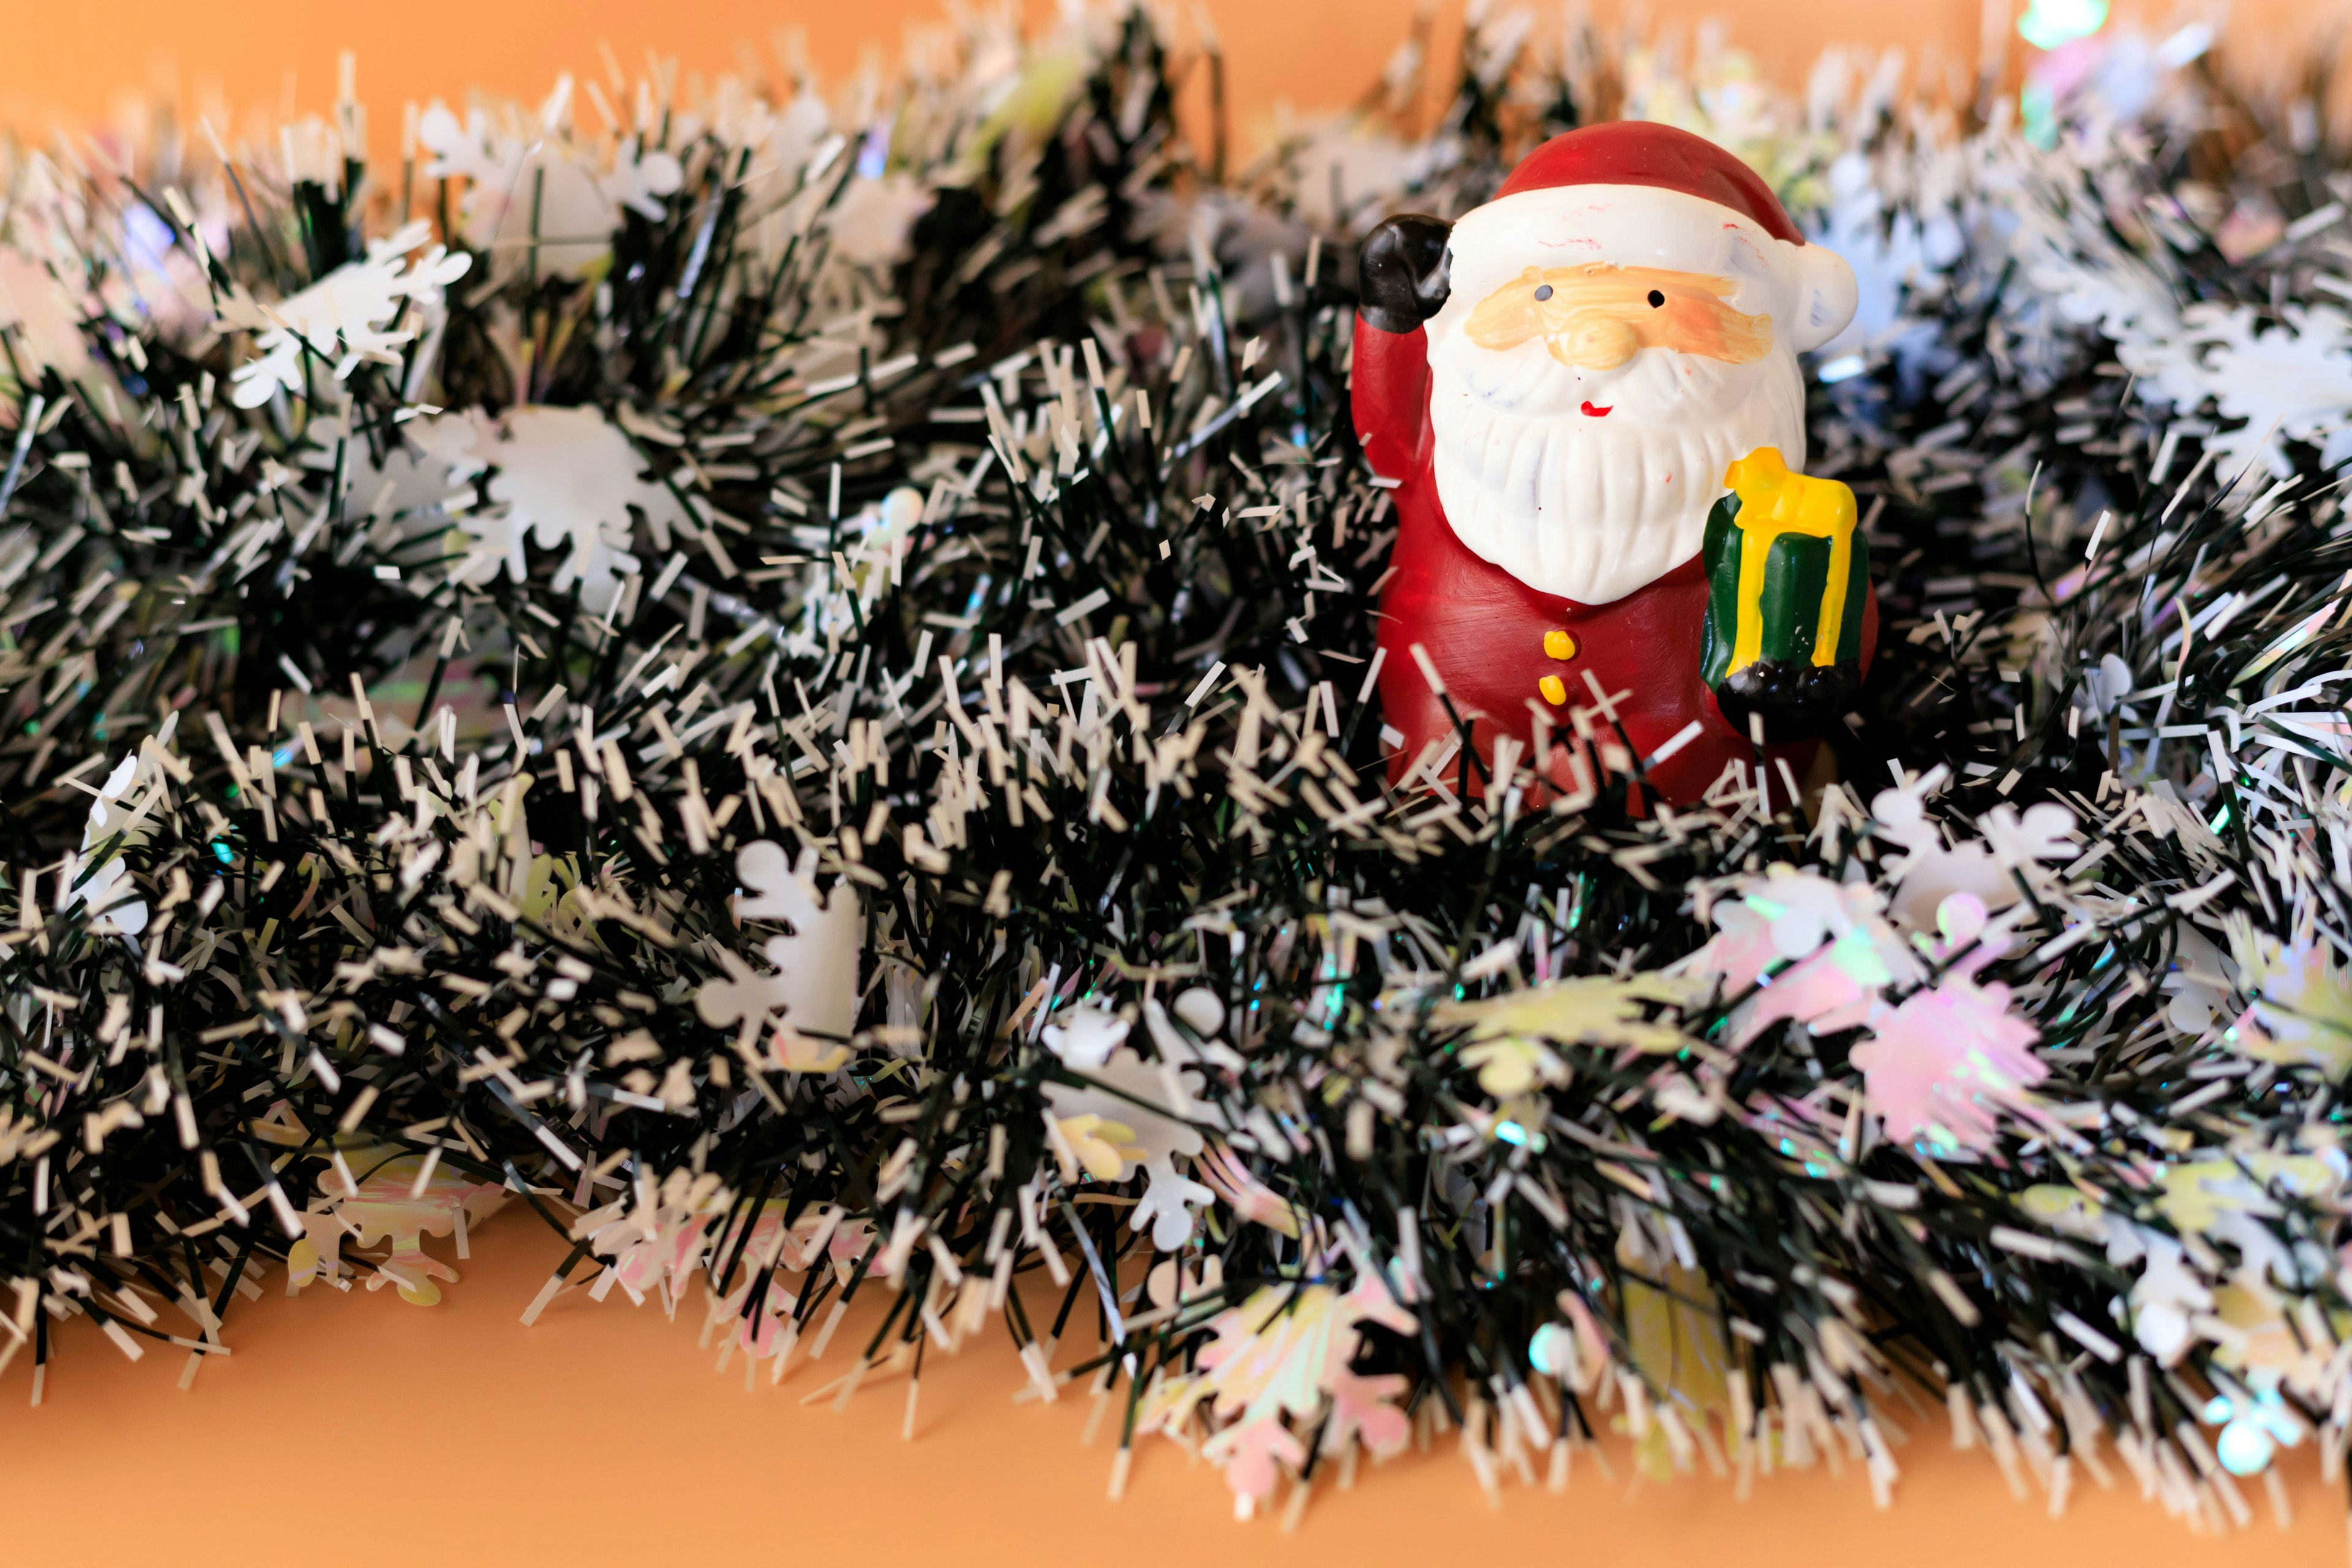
(361, 1431)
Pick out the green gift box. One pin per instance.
(1788, 577)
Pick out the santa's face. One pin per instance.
(1605, 353)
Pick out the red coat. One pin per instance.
(1484, 630)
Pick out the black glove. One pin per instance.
(1797, 702)
(1400, 271)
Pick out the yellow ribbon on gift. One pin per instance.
(1772, 502)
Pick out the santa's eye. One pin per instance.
(1543, 291)
(1657, 300)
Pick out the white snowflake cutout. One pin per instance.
(1929, 873)
(2105, 686)
(639, 179)
(2046, 832)
(745, 993)
(342, 317)
(2287, 382)
(565, 477)
(2166, 1296)
(108, 891)
(875, 218)
(538, 194)
(1204, 1016)
(1085, 1036)
(421, 471)
(1168, 1199)
(1152, 1101)
(816, 983)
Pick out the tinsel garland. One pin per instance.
(786, 685)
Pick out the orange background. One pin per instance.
(70, 61)
(354, 1430)
(364, 1431)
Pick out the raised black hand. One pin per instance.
(1401, 269)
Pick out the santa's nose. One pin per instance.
(1595, 341)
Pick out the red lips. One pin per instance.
(1595, 413)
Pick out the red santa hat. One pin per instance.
(1638, 193)
(1640, 153)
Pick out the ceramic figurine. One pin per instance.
(1564, 383)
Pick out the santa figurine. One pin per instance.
(1562, 386)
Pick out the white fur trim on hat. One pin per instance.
(1807, 291)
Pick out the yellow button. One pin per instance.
(1559, 645)
(1554, 689)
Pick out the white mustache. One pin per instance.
(1657, 385)
(1592, 509)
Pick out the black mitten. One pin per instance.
(1401, 272)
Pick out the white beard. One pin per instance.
(1588, 509)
